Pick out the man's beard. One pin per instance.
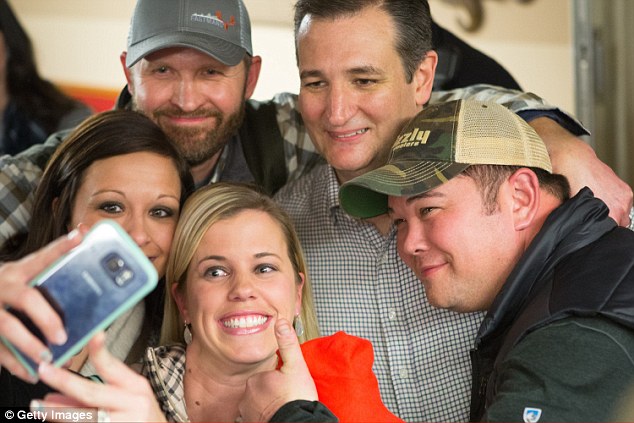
(197, 145)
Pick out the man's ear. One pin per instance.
(126, 72)
(423, 77)
(526, 197)
(252, 76)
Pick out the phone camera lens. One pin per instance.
(120, 272)
(115, 264)
(123, 277)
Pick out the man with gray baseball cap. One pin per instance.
(190, 66)
(486, 226)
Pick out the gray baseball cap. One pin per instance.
(220, 28)
(437, 145)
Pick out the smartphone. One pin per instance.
(89, 287)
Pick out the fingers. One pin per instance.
(59, 408)
(82, 228)
(289, 348)
(78, 391)
(55, 400)
(266, 392)
(33, 304)
(10, 363)
(619, 203)
(16, 293)
(619, 213)
(77, 388)
(126, 395)
(112, 370)
(118, 379)
(21, 338)
(68, 383)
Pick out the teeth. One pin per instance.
(360, 131)
(245, 322)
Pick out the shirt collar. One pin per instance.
(332, 189)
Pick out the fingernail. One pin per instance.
(43, 368)
(36, 405)
(60, 337)
(32, 379)
(46, 356)
(73, 234)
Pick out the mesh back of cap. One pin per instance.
(488, 133)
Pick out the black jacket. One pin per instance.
(579, 264)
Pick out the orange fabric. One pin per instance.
(98, 99)
(341, 366)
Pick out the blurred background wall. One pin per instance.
(78, 41)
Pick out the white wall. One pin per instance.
(533, 40)
(79, 41)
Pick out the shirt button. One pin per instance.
(384, 258)
(403, 373)
(391, 314)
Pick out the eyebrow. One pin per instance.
(266, 254)
(108, 191)
(121, 193)
(169, 196)
(410, 200)
(223, 258)
(359, 70)
(428, 194)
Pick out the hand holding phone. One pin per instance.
(89, 287)
(16, 292)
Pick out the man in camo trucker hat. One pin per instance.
(439, 143)
(486, 226)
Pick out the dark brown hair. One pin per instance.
(411, 18)
(104, 135)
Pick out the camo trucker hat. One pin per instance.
(220, 28)
(439, 143)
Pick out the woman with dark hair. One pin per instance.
(31, 108)
(115, 165)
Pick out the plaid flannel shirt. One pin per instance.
(164, 367)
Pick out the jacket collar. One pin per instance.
(576, 223)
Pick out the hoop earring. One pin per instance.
(298, 325)
(187, 334)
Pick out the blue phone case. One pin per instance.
(90, 287)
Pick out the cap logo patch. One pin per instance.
(532, 415)
(214, 20)
(411, 139)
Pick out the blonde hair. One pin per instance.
(209, 205)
